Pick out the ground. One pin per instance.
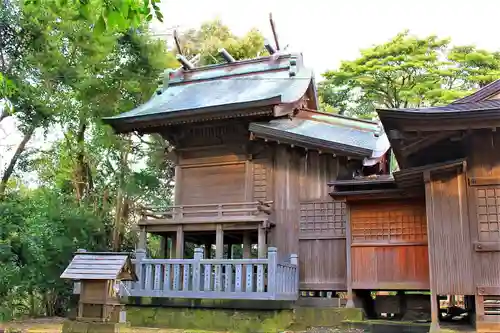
(54, 325)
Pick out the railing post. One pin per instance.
(272, 257)
(294, 260)
(77, 285)
(198, 255)
(140, 254)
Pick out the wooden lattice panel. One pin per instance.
(259, 180)
(319, 217)
(388, 222)
(488, 213)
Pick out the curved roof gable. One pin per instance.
(266, 81)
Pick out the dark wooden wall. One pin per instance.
(307, 220)
(322, 245)
(389, 245)
(484, 207)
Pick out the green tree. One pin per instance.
(213, 35)
(407, 71)
(39, 231)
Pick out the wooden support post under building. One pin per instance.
(262, 245)
(179, 244)
(348, 237)
(434, 297)
(247, 245)
(219, 242)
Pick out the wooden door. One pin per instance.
(322, 245)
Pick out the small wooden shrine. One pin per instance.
(100, 275)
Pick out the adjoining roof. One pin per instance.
(417, 134)
(484, 102)
(331, 133)
(487, 91)
(266, 81)
(365, 188)
(100, 266)
(468, 109)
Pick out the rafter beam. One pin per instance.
(425, 142)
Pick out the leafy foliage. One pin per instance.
(407, 71)
(39, 231)
(213, 35)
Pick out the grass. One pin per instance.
(55, 326)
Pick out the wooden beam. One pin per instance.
(219, 242)
(488, 291)
(424, 142)
(337, 286)
(487, 246)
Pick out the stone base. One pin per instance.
(244, 321)
(73, 326)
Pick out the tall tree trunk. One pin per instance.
(121, 209)
(80, 167)
(13, 161)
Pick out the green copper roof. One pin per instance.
(260, 82)
(340, 135)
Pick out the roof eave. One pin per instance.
(129, 124)
(303, 141)
(398, 114)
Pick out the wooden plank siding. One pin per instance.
(284, 235)
(322, 246)
(449, 236)
(389, 245)
(209, 176)
(484, 206)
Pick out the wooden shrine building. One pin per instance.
(434, 224)
(258, 167)
(253, 159)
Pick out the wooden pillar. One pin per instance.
(348, 241)
(262, 245)
(219, 242)
(142, 244)
(434, 296)
(179, 244)
(230, 254)
(247, 245)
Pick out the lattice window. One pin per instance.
(394, 223)
(488, 213)
(259, 181)
(319, 217)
